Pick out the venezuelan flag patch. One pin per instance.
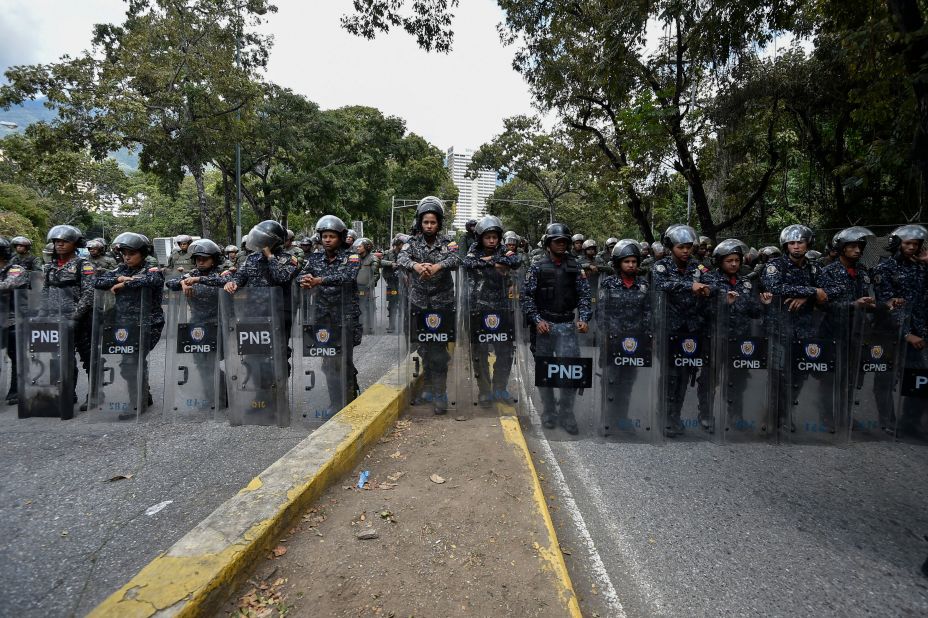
(87, 269)
(354, 258)
(452, 246)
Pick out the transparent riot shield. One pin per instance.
(45, 351)
(872, 368)
(911, 396)
(193, 389)
(367, 301)
(256, 356)
(432, 317)
(626, 371)
(489, 342)
(118, 359)
(322, 341)
(684, 336)
(811, 365)
(743, 386)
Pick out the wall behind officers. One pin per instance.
(333, 271)
(680, 277)
(489, 264)
(430, 260)
(69, 285)
(126, 282)
(555, 292)
(12, 276)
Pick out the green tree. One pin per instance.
(166, 79)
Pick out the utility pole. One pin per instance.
(238, 145)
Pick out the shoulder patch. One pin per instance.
(702, 268)
(452, 246)
(354, 258)
(747, 285)
(15, 270)
(154, 269)
(87, 269)
(660, 268)
(771, 270)
(643, 287)
(866, 279)
(294, 261)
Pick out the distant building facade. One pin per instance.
(472, 193)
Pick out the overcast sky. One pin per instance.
(456, 100)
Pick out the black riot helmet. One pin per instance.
(131, 240)
(488, 224)
(679, 234)
(555, 231)
(430, 204)
(207, 248)
(902, 233)
(6, 248)
(67, 233)
(625, 248)
(268, 234)
(21, 240)
(331, 223)
(847, 236)
(795, 233)
(728, 247)
(470, 225)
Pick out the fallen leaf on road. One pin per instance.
(120, 477)
(279, 551)
(158, 507)
(397, 455)
(397, 476)
(437, 479)
(386, 486)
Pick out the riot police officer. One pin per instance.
(844, 279)
(624, 307)
(12, 276)
(743, 303)
(368, 276)
(430, 260)
(334, 271)
(680, 276)
(306, 246)
(901, 284)
(231, 258)
(391, 279)
(489, 264)
(554, 294)
(350, 237)
(23, 248)
(604, 257)
(470, 236)
(577, 241)
(292, 249)
(180, 259)
(126, 282)
(73, 276)
(794, 279)
(101, 261)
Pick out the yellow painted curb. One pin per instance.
(549, 552)
(197, 574)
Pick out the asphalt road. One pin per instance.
(69, 537)
(695, 529)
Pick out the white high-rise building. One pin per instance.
(472, 193)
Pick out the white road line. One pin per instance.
(600, 574)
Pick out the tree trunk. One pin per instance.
(908, 21)
(206, 227)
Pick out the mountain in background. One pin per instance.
(35, 111)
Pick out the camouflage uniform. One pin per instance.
(103, 263)
(296, 252)
(624, 308)
(180, 259)
(685, 313)
(785, 279)
(554, 291)
(12, 276)
(391, 279)
(338, 303)
(433, 293)
(897, 277)
(69, 288)
(368, 276)
(29, 262)
(488, 290)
